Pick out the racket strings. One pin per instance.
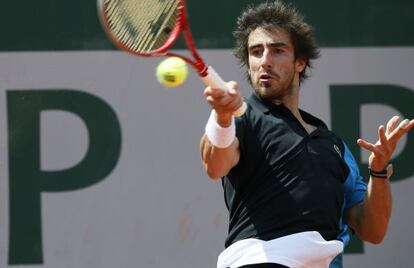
(163, 26)
(141, 21)
(142, 25)
(149, 40)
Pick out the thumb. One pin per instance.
(233, 87)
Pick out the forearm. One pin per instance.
(372, 221)
(219, 146)
(370, 218)
(218, 161)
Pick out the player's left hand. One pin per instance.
(388, 137)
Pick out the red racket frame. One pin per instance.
(181, 25)
(207, 73)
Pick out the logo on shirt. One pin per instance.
(337, 150)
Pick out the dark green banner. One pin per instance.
(29, 25)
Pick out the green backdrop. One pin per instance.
(73, 25)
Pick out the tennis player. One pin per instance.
(292, 187)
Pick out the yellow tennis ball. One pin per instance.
(172, 72)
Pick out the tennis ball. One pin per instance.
(172, 72)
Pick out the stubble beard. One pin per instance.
(275, 92)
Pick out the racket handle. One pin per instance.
(213, 80)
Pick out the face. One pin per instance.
(273, 69)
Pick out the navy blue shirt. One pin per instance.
(288, 181)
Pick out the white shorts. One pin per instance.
(301, 250)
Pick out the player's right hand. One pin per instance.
(225, 103)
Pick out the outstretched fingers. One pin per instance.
(392, 124)
(381, 134)
(388, 137)
(403, 127)
(407, 125)
(368, 146)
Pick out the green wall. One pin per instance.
(29, 25)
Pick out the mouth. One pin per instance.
(265, 78)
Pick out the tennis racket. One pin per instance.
(149, 28)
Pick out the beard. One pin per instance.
(277, 88)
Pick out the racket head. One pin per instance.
(142, 27)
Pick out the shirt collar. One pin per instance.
(263, 105)
(266, 107)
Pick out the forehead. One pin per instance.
(262, 36)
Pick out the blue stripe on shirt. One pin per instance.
(354, 192)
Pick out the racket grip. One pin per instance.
(213, 80)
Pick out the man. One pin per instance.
(292, 187)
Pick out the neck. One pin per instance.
(291, 102)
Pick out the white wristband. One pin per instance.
(221, 137)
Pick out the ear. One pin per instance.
(300, 65)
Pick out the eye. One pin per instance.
(278, 51)
(256, 52)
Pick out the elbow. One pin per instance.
(375, 235)
(214, 174)
(375, 239)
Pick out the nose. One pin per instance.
(266, 59)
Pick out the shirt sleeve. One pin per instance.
(355, 186)
(240, 130)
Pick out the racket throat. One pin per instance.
(202, 68)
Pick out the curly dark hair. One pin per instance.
(276, 14)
